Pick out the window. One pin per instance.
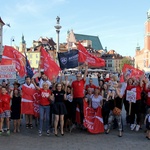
(36, 55)
(37, 62)
(109, 65)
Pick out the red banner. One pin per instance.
(30, 101)
(85, 56)
(130, 71)
(93, 120)
(49, 65)
(12, 56)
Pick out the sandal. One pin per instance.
(27, 126)
(31, 126)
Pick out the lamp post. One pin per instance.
(57, 27)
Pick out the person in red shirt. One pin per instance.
(78, 95)
(90, 85)
(136, 107)
(44, 109)
(5, 108)
(147, 90)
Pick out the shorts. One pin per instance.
(5, 114)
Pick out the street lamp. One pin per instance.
(57, 27)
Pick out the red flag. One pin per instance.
(92, 60)
(12, 56)
(30, 101)
(93, 120)
(50, 66)
(27, 100)
(130, 71)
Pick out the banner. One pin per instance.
(50, 67)
(7, 72)
(68, 59)
(12, 56)
(85, 56)
(130, 71)
(93, 120)
(131, 95)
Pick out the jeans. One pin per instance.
(44, 114)
(118, 119)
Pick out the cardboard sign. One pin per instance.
(7, 72)
(131, 96)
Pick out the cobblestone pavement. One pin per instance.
(77, 140)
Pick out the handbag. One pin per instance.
(116, 110)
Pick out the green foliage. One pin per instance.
(125, 60)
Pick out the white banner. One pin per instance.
(7, 72)
(131, 96)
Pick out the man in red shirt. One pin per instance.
(78, 95)
(90, 85)
(5, 109)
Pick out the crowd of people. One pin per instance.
(58, 101)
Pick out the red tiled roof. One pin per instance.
(1, 21)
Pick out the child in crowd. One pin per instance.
(147, 122)
(112, 85)
(4, 109)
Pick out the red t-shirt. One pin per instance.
(5, 98)
(148, 96)
(78, 88)
(90, 86)
(1, 109)
(44, 97)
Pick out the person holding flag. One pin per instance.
(27, 101)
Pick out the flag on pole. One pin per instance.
(130, 71)
(68, 59)
(29, 70)
(50, 67)
(85, 56)
(12, 56)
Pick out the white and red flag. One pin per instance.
(93, 120)
(130, 71)
(50, 67)
(30, 101)
(85, 56)
(12, 56)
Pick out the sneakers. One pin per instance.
(47, 132)
(105, 126)
(40, 133)
(137, 127)
(8, 132)
(72, 127)
(132, 127)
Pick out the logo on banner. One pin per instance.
(63, 60)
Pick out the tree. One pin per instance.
(125, 60)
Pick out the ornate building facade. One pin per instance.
(142, 56)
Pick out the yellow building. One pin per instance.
(34, 58)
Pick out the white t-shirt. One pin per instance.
(96, 101)
(41, 83)
(29, 86)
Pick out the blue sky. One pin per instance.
(118, 23)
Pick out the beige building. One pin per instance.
(142, 56)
